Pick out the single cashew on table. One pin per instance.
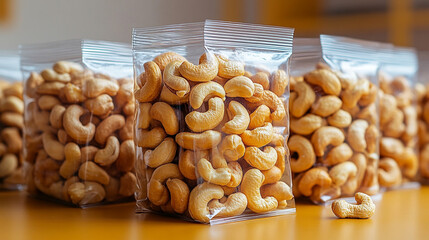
(79, 136)
(334, 134)
(364, 208)
(210, 137)
(12, 122)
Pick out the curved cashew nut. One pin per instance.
(236, 174)
(157, 192)
(199, 199)
(73, 126)
(239, 119)
(389, 173)
(257, 94)
(46, 102)
(306, 158)
(102, 105)
(342, 172)
(326, 105)
(232, 147)
(179, 194)
(8, 164)
(340, 119)
(165, 58)
(395, 127)
(203, 92)
(258, 137)
(370, 97)
(165, 114)
(109, 153)
(67, 67)
(356, 135)
(150, 138)
(187, 161)
(274, 103)
(326, 79)
(73, 93)
(108, 126)
(13, 139)
(56, 116)
(125, 161)
(262, 160)
(352, 96)
(219, 176)
(72, 160)
(15, 104)
(51, 75)
(174, 81)
(279, 82)
(240, 86)
(51, 88)
(365, 208)
(162, 154)
(202, 121)
(306, 125)
(408, 162)
(338, 154)
(311, 178)
(304, 99)
(204, 72)
(388, 106)
(205, 140)
(411, 127)
(324, 137)
(228, 68)
(250, 186)
(90, 171)
(94, 87)
(260, 116)
(52, 147)
(143, 115)
(171, 98)
(280, 190)
(234, 205)
(153, 84)
(371, 138)
(262, 78)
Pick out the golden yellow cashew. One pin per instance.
(32, 83)
(260, 116)
(326, 105)
(86, 193)
(108, 126)
(162, 154)
(262, 78)
(239, 119)
(262, 160)
(127, 184)
(51, 88)
(236, 174)
(306, 124)
(219, 176)
(188, 160)
(370, 97)
(52, 147)
(13, 140)
(338, 154)
(258, 137)
(371, 138)
(109, 154)
(125, 161)
(153, 83)
(303, 148)
(56, 116)
(228, 68)
(240, 86)
(365, 208)
(199, 199)
(352, 96)
(389, 173)
(171, 98)
(202, 121)
(304, 99)
(391, 147)
(395, 127)
(408, 162)
(179, 194)
(205, 140)
(50, 75)
(325, 136)
(327, 80)
(94, 87)
(72, 160)
(387, 108)
(165, 58)
(311, 178)
(279, 82)
(157, 191)
(165, 114)
(8, 164)
(173, 80)
(102, 105)
(204, 72)
(74, 127)
(150, 138)
(15, 104)
(356, 135)
(232, 147)
(202, 92)
(250, 186)
(90, 171)
(342, 172)
(73, 93)
(340, 119)
(46, 102)
(67, 67)
(234, 205)
(143, 115)
(280, 190)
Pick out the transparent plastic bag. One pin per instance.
(398, 117)
(11, 122)
(334, 119)
(423, 115)
(211, 138)
(79, 113)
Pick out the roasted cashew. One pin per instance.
(232, 147)
(102, 105)
(262, 78)
(320, 194)
(325, 136)
(165, 58)
(173, 80)
(162, 154)
(387, 108)
(280, 190)
(342, 172)
(50, 75)
(15, 104)
(108, 126)
(150, 138)
(356, 135)
(306, 124)
(234, 205)
(86, 193)
(199, 199)
(205, 140)
(46, 102)
(143, 115)
(257, 95)
(202, 121)
(165, 114)
(8, 164)
(304, 99)
(90, 171)
(250, 186)
(73, 126)
(179, 194)
(239, 119)
(127, 132)
(32, 83)
(370, 97)
(109, 154)
(13, 140)
(327, 80)
(303, 148)
(125, 161)
(391, 147)
(338, 154)
(51, 88)
(236, 174)
(365, 208)
(67, 67)
(371, 138)
(204, 72)
(410, 115)
(258, 137)
(56, 116)
(389, 173)
(395, 127)
(408, 162)
(340, 119)
(368, 113)
(187, 161)
(219, 176)
(16, 120)
(279, 82)
(228, 68)
(311, 178)
(72, 160)
(259, 117)
(94, 87)
(351, 96)
(262, 160)
(153, 84)
(157, 191)
(326, 105)
(52, 147)
(240, 86)
(202, 92)
(127, 184)
(73, 93)
(171, 98)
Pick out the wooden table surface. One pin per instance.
(402, 214)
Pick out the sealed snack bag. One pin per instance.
(398, 117)
(334, 120)
(422, 88)
(79, 113)
(11, 121)
(212, 120)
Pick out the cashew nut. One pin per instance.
(72, 160)
(365, 208)
(94, 87)
(219, 176)
(90, 171)
(157, 191)
(307, 124)
(205, 140)
(162, 154)
(324, 137)
(250, 186)
(262, 160)
(232, 147)
(8, 164)
(52, 147)
(202, 121)
(259, 117)
(342, 172)
(102, 105)
(261, 78)
(51, 75)
(327, 80)
(304, 99)
(12, 137)
(258, 137)
(187, 161)
(340, 119)
(73, 126)
(389, 173)
(303, 148)
(352, 96)
(127, 184)
(338, 154)
(199, 199)
(153, 83)
(165, 58)
(326, 105)
(311, 178)
(280, 190)
(179, 194)
(109, 153)
(239, 119)
(165, 114)
(125, 161)
(171, 98)
(240, 86)
(174, 81)
(273, 102)
(107, 127)
(150, 138)
(234, 205)
(279, 82)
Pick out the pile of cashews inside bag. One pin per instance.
(223, 122)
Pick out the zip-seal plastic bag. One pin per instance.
(334, 118)
(11, 122)
(399, 162)
(79, 113)
(211, 138)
